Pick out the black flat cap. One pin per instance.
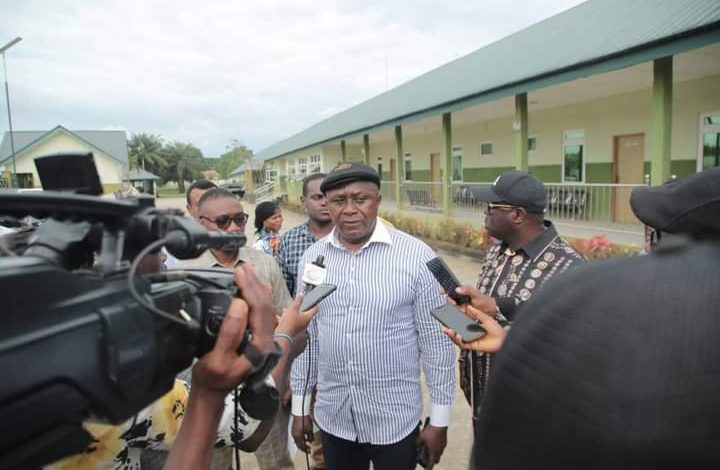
(688, 206)
(518, 188)
(346, 173)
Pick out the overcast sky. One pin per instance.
(209, 71)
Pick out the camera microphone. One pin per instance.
(314, 273)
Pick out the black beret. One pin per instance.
(346, 173)
(688, 206)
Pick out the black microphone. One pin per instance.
(314, 273)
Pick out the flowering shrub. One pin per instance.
(599, 247)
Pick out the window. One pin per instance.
(457, 167)
(486, 148)
(574, 156)
(532, 143)
(709, 153)
(408, 167)
(271, 175)
(380, 167)
(302, 166)
(24, 180)
(291, 168)
(315, 164)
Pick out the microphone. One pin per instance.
(229, 241)
(314, 273)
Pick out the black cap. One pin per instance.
(346, 173)
(518, 188)
(688, 206)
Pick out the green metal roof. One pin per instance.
(140, 175)
(113, 143)
(593, 37)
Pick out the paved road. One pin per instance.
(460, 433)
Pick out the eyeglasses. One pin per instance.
(223, 221)
(502, 207)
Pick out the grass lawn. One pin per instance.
(169, 192)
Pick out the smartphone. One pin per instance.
(423, 457)
(457, 321)
(447, 279)
(314, 297)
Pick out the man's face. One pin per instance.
(315, 203)
(498, 221)
(354, 209)
(195, 196)
(223, 215)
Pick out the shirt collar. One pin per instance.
(240, 257)
(380, 235)
(538, 246)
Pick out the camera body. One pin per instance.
(77, 343)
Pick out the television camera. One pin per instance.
(85, 335)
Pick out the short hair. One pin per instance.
(199, 184)
(215, 193)
(308, 179)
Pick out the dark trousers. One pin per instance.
(347, 455)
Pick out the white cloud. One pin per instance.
(206, 72)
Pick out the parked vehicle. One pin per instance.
(236, 189)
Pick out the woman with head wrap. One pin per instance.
(268, 222)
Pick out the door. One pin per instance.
(628, 168)
(435, 177)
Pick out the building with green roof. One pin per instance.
(608, 93)
(109, 149)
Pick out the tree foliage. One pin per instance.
(145, 151)
(237, 154)
(184, 163)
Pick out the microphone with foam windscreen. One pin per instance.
(314, 273)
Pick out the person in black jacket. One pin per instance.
(617, 366)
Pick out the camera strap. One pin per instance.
(262, 364)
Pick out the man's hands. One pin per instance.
(262, 319)
(434, 439)
(221, 370)
(302, 432)
(482, 309)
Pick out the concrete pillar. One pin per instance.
(399, 166)
(447, 164)
(343, 151)
(661, 120)
(366, 146)
(520, 131)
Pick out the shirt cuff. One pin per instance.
(299, 408)
(440, 415)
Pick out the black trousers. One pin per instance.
(347, 455)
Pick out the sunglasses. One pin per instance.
(223, 221)
(502, 207)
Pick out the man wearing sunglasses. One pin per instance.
(220, 211)
(528, 252)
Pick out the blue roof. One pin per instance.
(113, 143)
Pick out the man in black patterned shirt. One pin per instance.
(529, 251)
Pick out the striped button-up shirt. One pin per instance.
(369, 338)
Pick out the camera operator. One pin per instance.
(617, 365)
(221, 370)
(209, 407)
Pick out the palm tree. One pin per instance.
(184, 162)
(146, 149)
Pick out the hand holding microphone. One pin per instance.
(315, 287)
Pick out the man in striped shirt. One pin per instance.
(370, 337)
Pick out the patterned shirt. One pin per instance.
(293, 245)
(370, 337)
(511, 278)
(119, 447)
